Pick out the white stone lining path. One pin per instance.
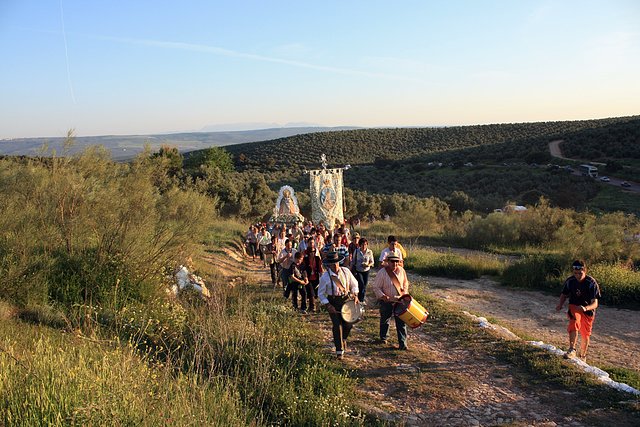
(599, 373)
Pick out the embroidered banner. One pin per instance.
(325, 190)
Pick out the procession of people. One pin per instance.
(316, 267)
(327, 264)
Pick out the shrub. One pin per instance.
(83, 230)
(620, 285)
(605, 238)
(536, 271)
(453, 265)
(495, 228)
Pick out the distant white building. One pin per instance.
(513, 209)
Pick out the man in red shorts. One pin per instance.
(583, 292)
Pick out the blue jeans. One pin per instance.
(386, 313)
(284, 276)
(296, 288)
(340, 329)
(363, 278)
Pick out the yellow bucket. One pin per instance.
(410, 311)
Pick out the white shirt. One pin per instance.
(264, 239)
(285, 258)
(326, 286)
(386, 251)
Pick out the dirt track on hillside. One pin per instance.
(472, 388)
(554, 149)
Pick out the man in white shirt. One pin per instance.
(264, 238)
(337, 285)
(285, 259)
(391, 249)
(390, 284)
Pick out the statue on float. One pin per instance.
(286, 209)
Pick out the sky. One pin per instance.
(112, 67)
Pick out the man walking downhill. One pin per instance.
(337, 285)
(390, 284)
(583, 293)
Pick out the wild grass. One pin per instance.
(49, 378)
(620, 285)
(623, 375)
(242, 359)
(224, 232)
(455, 266)
(611, 198)
(274, 362)
(377, 232)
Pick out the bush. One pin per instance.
(536, 272)
(495, 228)
(452, 265)
(83, 230)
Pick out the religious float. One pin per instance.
(286, 210)
(325, 190)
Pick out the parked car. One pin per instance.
(605, 179)
(625, 184)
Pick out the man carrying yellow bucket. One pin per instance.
(390, 284)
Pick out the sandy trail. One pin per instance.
(616, 336)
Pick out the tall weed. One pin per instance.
(452, 265)
(84, 230)
(539, 271)
(620, 285)
(48, 379)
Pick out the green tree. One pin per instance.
(173, 158)
(213, 157)
(460, 201)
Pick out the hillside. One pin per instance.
(498, 142)
(474, 167)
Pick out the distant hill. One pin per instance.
(497, 142)
(485, 166)
(126, 147)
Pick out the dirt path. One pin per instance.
(554, 149)
(616, 336)
(441, 380)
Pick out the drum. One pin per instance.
(410, 311)
(352, 312)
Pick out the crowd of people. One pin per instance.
(314, 267)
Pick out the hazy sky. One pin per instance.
(138, 66)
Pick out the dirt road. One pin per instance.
(444, 381)
(554, 149)
(616, 336)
